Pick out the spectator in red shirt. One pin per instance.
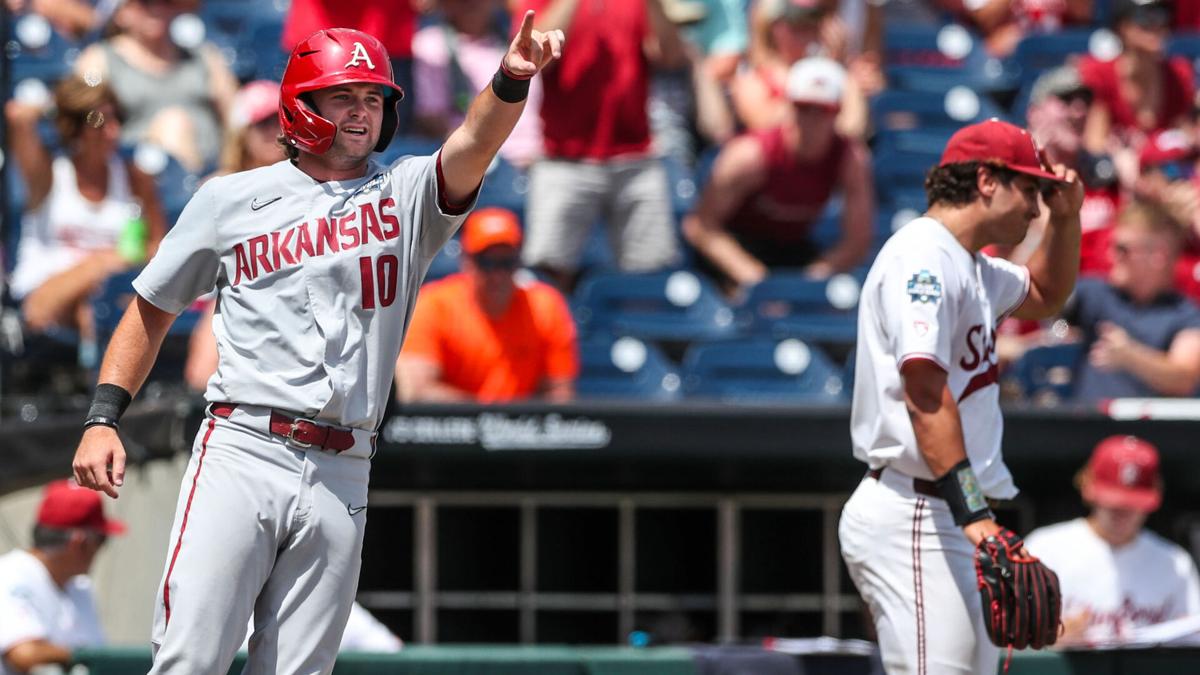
(1139, 92)
(1004, 22)
(1169, 180)
(392, 22)
(768, 187)
(597, 137)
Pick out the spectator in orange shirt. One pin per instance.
(483, 335)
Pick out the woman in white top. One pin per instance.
(77, 205)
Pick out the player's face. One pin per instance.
(1017, 204)
(357, 111)
(1116, 524)
(492, 271)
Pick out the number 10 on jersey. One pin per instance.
(383, 274)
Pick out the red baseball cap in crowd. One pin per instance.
(1000, 142)
(490, 227)
(255, 102)
(1165, 146)
(65, 505)
(1123, 473)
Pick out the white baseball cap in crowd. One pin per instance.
(816, 80)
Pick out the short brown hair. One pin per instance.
(76, 102)
(955, 184)
(293, 153)
(1145, 216)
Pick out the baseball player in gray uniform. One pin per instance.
(316, 263)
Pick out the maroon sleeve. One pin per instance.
(1181, 91)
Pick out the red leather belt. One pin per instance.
(301, 432)
(920, 485)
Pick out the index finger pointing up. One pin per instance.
(526, 32)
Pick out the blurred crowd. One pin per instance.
(682, 155)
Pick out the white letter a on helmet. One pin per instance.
(359, 54)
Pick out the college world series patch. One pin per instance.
(924, 287)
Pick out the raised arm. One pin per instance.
(100, 459)
(491, 118)
(738, 171)
(32, 157)
(1055, 263)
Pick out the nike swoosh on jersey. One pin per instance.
(256, 205)
(355, 510)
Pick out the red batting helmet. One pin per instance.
(325, 59)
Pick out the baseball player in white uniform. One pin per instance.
(316, 262)
(1117, 577)
(925, 415)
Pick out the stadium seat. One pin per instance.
(504, 186)
(108, 306)
(1039, 52)
(409, 145)
(446, 262)
(792, 305)
(175, 184)
(38, 51)
(625, 367)
(929, 58)
(682, 183)
(896, 112)
(1186, 45)
(900, 175)
(670, 306)
(1046, 374)
(762, 370)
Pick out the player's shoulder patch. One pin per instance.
(924, 286)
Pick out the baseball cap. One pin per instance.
(1143, 12)
(1165, 146)
(255, 102)
(1123, 473)
(816, 80)
(1062, 81)
(997, 141)
(65, 505)
(490, 227)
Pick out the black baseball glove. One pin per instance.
(1022, 604)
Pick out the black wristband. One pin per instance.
(508, 87)
(960, 488)
(108, 404)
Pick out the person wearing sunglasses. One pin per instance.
(484, 335)
(1141, 336)
(47, 609)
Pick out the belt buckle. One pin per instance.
(291, 434)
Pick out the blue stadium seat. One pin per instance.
(900, 175)
(175, 184)
(895, 112)
(791, 305)
(1039, 52)
(446, 262)
(111, 299)
(38, 51)
(625, 367)
(264, 38)
(1186, 45)
(671, 306)
(759, 370)
(1046, 374)
(932, 58)
(505, 186)
(409, 145)
(681, 181)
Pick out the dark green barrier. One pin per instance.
(418, 660)
(504, 660)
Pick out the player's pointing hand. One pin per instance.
(531, 50)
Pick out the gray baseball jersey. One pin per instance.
(315, 281)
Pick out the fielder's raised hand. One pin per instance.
(531, 50)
